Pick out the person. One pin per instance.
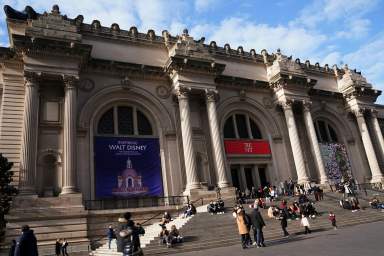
(175, 235)
(283, 221)
(332, 218)
(12, 249)
(64, 247)
(242, 226)
(164, 236)
(257, 225)
(211, 208)
(128, 240)
(58, 247)
(218, 191)
(26, 243)
(110, 235)
(305, 223)
(165, 219)
(220, 206)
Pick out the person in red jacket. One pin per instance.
(332, 218)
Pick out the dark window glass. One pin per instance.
(143, 125)
(229, 131)
(256, 134)
(323, 131)
(125, 120)
(332, 133)
(106, 125)
(242, 126)
(317, 132)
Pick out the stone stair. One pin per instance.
(151, 232)
(206, 231)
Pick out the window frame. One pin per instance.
(248, 119)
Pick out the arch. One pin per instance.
(266, 123)
(49, 167)
(149, 104)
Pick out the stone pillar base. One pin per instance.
(377, 179)
(68, 190)
(207, 195)
(303, 181)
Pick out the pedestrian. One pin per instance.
(257, 225)
(128, 240)
(283, 221)
(332, 218)
(110, 235)
(243, 229)
(305, 223)
(64, 247)
(58, 247)
(26, 243)
(13, 247)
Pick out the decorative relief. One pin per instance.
(86, 85)
(70, 82)
(211, 95)
(267, 102)
(163, 92)
(182, 92)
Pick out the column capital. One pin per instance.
(31, 78)
(307, 105)
(358, 112)
(182, 92)
(286, 104)
(373, 112)
(211, 94)
(70, 82)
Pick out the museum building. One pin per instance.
(101, 112)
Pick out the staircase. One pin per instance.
(205, 231)
(151, 232)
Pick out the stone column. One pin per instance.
(295, 143)
(186, 133)
(218, 152)
(377, 176)
(314, 142)
(70, 112)
(30, 131)
(377, 130)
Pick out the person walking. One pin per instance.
(110, 236)
(58, 247)
(242, 226)
(283, 221)
(64, 247)
(26, 243)
(332, 218)
(257, 225)
(305, 223)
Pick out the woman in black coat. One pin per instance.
(283, 221)
(58, 247)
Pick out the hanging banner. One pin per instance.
(127, 167)
(336, 162)
(247, 147)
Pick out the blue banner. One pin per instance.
(127, 167)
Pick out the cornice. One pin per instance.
(124, 69)
(240, 82)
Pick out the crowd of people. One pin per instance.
(216, 207)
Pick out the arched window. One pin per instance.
(124, 120)
(325, 132)
(241, 126)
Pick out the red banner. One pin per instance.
(247, 147)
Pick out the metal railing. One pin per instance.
(135, 202)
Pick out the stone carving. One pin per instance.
(86, 85)
(53, 25)
(151, 34)
(182, 92)
(28, 13)
(267, 102)
(96, 26)
(70, 82)
(284, 65)
(351, 79)
(115, 28)
(126, 83)
(163, 92)
(242, 95)
(133, 31)
(211, 95)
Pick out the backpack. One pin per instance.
(247, 220)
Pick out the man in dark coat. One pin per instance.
(257, 225)
(128, 240)
(283, 220)
(26, 243)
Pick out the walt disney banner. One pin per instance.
(127, 167)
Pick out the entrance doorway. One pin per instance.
(248, 176)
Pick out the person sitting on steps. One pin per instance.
(174, 235)
(165, 219)
(164, 236)
(211, 208)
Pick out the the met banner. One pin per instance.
(127, 167)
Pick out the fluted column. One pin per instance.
(30, 132)
(377, 176)
(218, 152)
(377, 130)
(186, 133)
(314, 142)
(295, 143)
(70, 102)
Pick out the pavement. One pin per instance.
(365, 239)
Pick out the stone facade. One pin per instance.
(60, 75)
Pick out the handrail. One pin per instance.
(151, 218)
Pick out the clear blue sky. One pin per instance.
(325, 31)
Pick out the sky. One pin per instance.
(325, 31)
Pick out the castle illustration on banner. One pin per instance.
(129, 182)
